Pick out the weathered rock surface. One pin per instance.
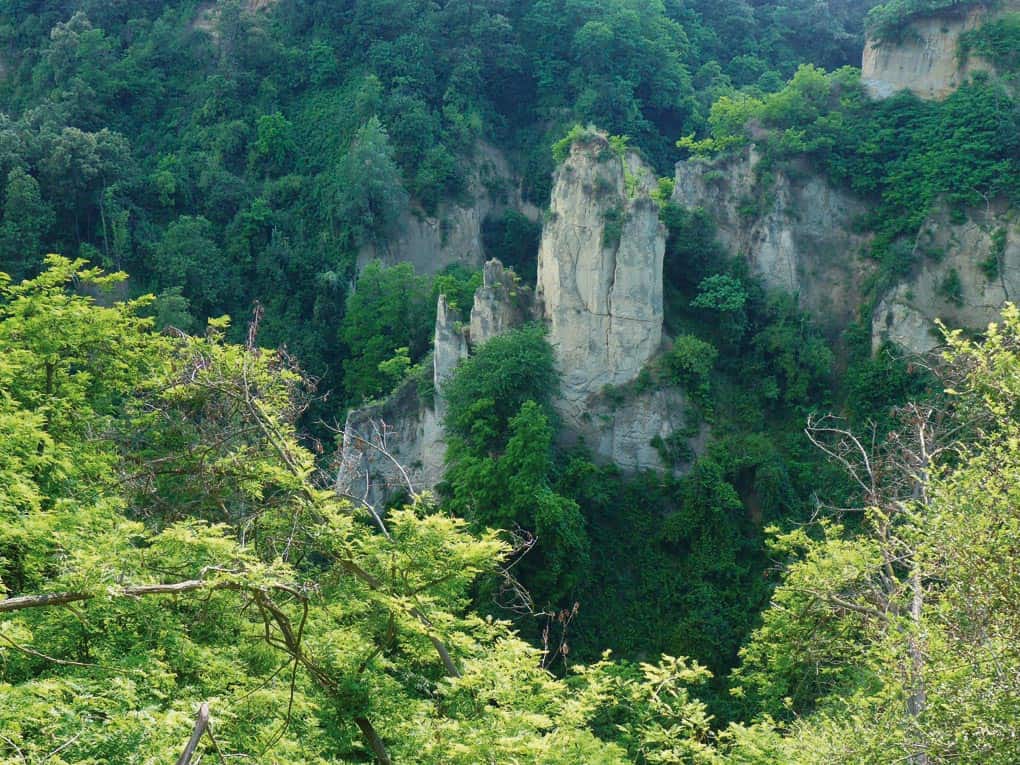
(454, 235)
(625, 431)
(804, 242)
(971, 269)
(500, 304)
(399, 444)
(801, 240)
(450, 344)
(600, 273)
(390, 448)
(927, 60)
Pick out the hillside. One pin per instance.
(559, 381)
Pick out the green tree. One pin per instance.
(890, 632)
(368, 193)
(27, 219)
(390, 308)
(189, 258)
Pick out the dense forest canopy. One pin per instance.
(185, 140)
(217, 176)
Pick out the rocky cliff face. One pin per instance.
(926, 60)
(804, 242)
(500, 304)
(399, 445)
(600, 272)
(454, 235)
(600, 291)
(797, 235)
(968, 270)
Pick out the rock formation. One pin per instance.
(804, 242)
(600, 272)
(454, 235)
(501, 303)
(398, 444)
(966, 272)
(926, 59)
(600, 292)
(450, 344)
(797, 234)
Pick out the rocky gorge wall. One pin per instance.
(797, 233)
(926, 58)
(600, 278)
(600, 271)
(966, 272)
(806, 242)
(599, 291)
(454, 234)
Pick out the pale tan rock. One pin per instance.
(500, 304)
(907, 314)
(623, 428)
(802, 241)
(450, 343)
(454, 234)
(600, 291)
(926, 61)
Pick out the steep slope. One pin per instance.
(798, 234)
(600, 271)
(927, 59)
(600, 292)
(453, 235)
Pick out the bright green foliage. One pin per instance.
(491, 386)
(902, 636)
(147, 461)
(390, 308)
(887, 22)
(459, 284)
(726, 296)
(997, 41)
(689, 364)
(499, 461)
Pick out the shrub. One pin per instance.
(689, 363)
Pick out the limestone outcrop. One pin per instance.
(450, 343)
(805, 242)
(798, 235)
(630, 427)
(926, 59)
(500, 304)
(600, 292)
(454, 234)
(965, 274)
(600, 272)
(399, 444)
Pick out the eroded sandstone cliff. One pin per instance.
(454, 234)
(966, 272)
(926, 58)
(600, 291)
(796, 231)
(600, 271)
(805, 241)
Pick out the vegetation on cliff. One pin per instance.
(172, 538)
